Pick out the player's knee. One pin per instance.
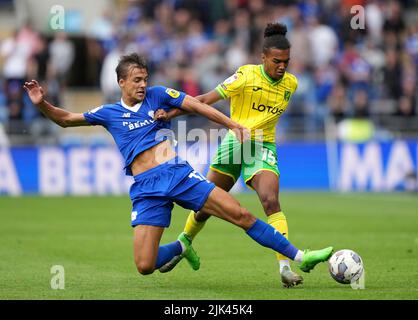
(270, 203)
(144, 267)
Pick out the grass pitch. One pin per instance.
(91, 238)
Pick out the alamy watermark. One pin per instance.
(360, 283)
(198, 144)
(358, 21)
(57, 18)
(58, 278)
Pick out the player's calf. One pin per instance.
(241, 217)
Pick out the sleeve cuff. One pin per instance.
(221, 92)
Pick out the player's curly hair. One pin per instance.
(128, 61)
(275, 37)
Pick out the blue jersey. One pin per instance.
(134, 128)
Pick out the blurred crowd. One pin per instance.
(345, 70)
(27, 54)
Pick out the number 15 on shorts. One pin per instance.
(269, 157)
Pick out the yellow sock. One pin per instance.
(192, 226)
(278, 222)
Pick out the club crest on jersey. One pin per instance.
(287, 95)
(172, 93)
(151, 114)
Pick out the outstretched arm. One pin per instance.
(208, 98)
(61, 117)
(191, 104)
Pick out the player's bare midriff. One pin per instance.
(152, 157)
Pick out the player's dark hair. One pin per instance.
(128, 61)
(275, 37)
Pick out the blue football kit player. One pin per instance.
(161, 178)
(136, 131)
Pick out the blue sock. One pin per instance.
(168, 252)
(269, 237)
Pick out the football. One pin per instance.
(345, 266)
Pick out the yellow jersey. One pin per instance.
(258, 101)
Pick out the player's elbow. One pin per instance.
(208, 98)
(191, 105)
(63, 124)
(201, 98)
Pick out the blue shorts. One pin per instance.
(154, 192)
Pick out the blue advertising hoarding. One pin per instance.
(373, 166)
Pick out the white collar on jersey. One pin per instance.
(135, 108)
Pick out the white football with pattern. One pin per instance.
(345, 266)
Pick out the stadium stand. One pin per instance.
(193, 45)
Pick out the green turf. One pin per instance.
(91, 238)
